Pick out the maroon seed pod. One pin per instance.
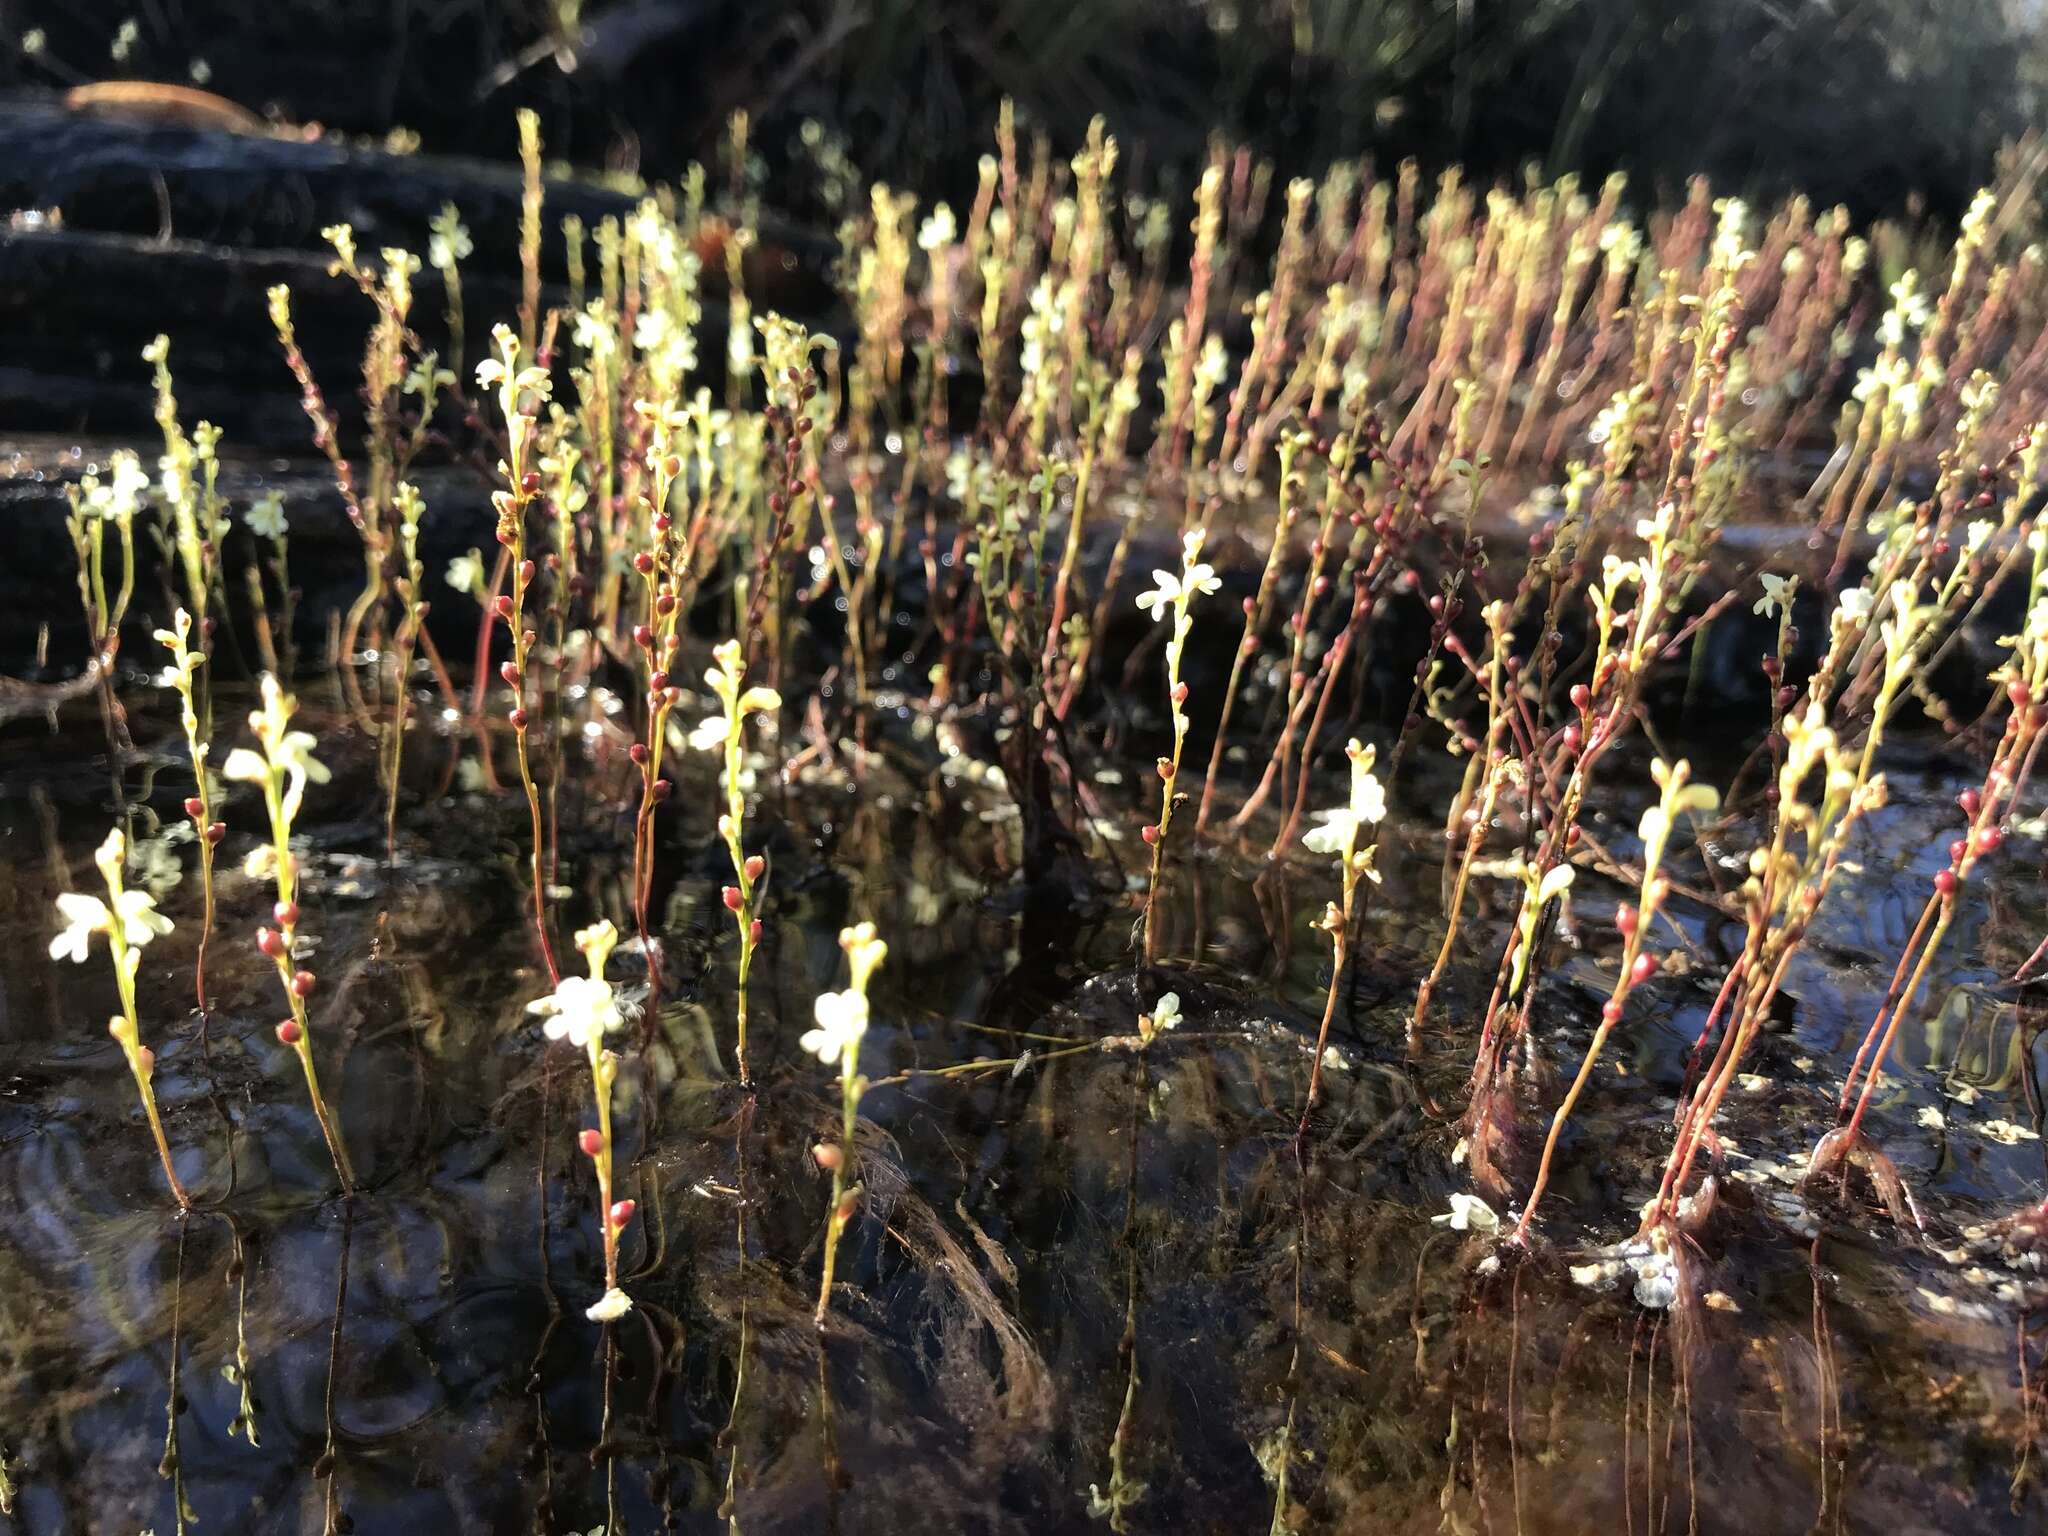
(518, 718)
(289, 1033)
(529, 483)
(661, 789)
(638, 752)
(665, 604)
(644, 563)
(590, 1141)
(216, 832)
(643, 636)
(657, 682)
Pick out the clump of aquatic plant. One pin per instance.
(281, 765)
(1348, 833)
(96, 503)
(1677, 796)
(842, 1019)
(1171, 596)
(270, 528)
(521, 392)
(583, 1010)
(409, 580)
(128, 920)
(188, 473)
(185, 664)
(725, 733)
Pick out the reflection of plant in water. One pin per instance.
(842, 1018)
(582, 1010)
(185, 664)
(282, 768)
(128, 920)
(172, 1465)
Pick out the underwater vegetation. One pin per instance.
(1644, 609)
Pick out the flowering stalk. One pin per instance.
(521, 391)
(583, 1010)
(409, 581)
(1339, 834)
(727, 730)
(282, 769)
(185, 663)
(1677, 797)
(656, 639)
(842, 1020)
(129, 920)
(1172, 594)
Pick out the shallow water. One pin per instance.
(1090, 1290)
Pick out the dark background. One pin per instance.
(1867, 102)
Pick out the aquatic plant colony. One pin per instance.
(1320, 496)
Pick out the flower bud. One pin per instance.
(525, 573)
(661, 789)
(754, 931)
(730, 895)
(195, 807)
(288, 1032)
(286, 913)
(1180, 693)
(1581, 696)
(665, 604)
(270, 941)
(1644, 968)
(1989, 840)
(828, 1156)
(518, 718)
(644, 563)
(638, 752)
(1625, 920)
(590, 1141)
(1610, 1011)
(643, 636)
(302, 983)
(503, 607)
(216, 832)
(1165, 767)
(509, 670)
(622, 1212)
(145, 1060)
(754, 866)
(1149, 832)
(1970, 801)
(1945, 883)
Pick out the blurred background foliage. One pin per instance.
(1867, 102)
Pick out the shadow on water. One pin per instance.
(1089, 1286)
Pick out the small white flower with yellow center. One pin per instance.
(842, 1020)
(84, 916)
(584, 1009)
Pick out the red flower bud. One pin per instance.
(754, 931)
(1625, 920)
(1581, 696)
(288, 1032)
(665, 604)
(1969, 800)
(622, 1212)
(730, 895)
(644, 563)
(1149, 832)
(525, 572)
(302, 983)
(1180, 693)
(1990, 840)
(661, 789)
(1945, 882)
(828, 1157)
(195, 807)
(591, 1142)
(216, 832)
(518, 719)
(1610, 1011)
(509, 670)
(638, 752)
(503, 607)
(270, 941)
(754, 866)
(643, 636)
(1644, 968)
(286, 913)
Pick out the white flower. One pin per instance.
(465, 573)
(1778, 592)
(1340, 828)
(85, 916)
(580, 1010)
(710, 733)
(1468, 1213)
(1855, 606)
(842, 1020)
(610, 1307)
(1176, 591)
(265, 517)
(937, 230)
(1165, 1015)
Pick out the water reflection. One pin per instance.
(1088, 1288)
